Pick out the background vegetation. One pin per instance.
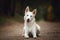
(14, 10)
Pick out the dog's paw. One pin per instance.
(26, 37)
(34, 37)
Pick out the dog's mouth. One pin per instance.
(28, 20)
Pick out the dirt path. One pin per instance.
(49, 31)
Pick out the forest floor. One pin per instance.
(13, 31)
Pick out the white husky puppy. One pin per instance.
(30, 25)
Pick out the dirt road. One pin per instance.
(49, 31)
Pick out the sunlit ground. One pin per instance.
(13, 31)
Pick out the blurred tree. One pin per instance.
(56, 9)
(12, 6)
(7, 7)
(23, 4)
(50, 14)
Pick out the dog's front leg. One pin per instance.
(26, 33)
(34, 33)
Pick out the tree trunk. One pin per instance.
(12, 6)
(56, 7)
(23, 3)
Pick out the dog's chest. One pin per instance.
(31, 27)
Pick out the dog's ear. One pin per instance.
(34, 11)
(27, 9)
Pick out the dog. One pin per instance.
(30, 26)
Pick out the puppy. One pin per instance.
(30, 25)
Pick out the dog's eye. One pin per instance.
(27, 15)
(30, 16)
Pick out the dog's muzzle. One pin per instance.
(28, 20)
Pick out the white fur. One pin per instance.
(31, 26)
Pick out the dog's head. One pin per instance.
(29, 16)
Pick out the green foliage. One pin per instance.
(41, 12)
(18, 17)
(2, 20)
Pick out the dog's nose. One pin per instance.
(28, 20)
